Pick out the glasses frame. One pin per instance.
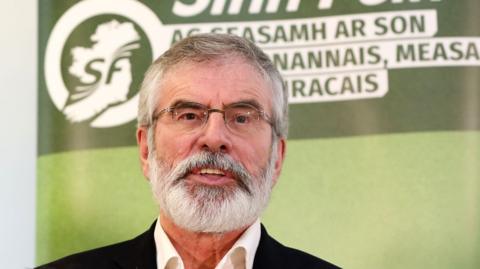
(263, 115)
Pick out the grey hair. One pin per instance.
(205, 47)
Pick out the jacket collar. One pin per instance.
(140, 252)
(267, 255)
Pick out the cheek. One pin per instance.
(258, 154)
(171, 148)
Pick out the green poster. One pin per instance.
(383, 157)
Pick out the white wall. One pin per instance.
(18, 111)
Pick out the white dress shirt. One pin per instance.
(240, 256)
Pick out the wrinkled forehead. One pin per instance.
(228, 58)
(228, 77)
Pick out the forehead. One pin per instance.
(215, 83)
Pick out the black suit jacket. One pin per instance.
(140, 253)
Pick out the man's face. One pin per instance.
(239, 171)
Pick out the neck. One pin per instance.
(197, 249)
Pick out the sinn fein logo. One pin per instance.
(95, 57)
(103, 71)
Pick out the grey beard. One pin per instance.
(211, 209)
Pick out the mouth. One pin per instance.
(211, 171)
(211, 176)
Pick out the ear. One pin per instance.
(143, 150)
(281, 150)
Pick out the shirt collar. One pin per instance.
(243, 251)
(167, 255)
(245, 247)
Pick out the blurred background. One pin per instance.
(18, 110)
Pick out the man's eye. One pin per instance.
(242, 119)
(188, 116)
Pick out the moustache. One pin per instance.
(221, 161)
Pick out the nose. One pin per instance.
(215, 136)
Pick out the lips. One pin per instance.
(211, 171)
(211, 176)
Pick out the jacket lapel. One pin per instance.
(140, 253)
(267, 255)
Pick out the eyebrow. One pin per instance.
(189, 103)
(248, 102)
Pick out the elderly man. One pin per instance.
(212, 125)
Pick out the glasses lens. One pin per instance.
(189, 118)
(242, 119)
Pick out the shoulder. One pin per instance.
(127, 254)
(271, 252)
(104, 257)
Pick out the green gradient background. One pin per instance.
(386, 201)
(409, 199)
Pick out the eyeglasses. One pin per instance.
(240, 118)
